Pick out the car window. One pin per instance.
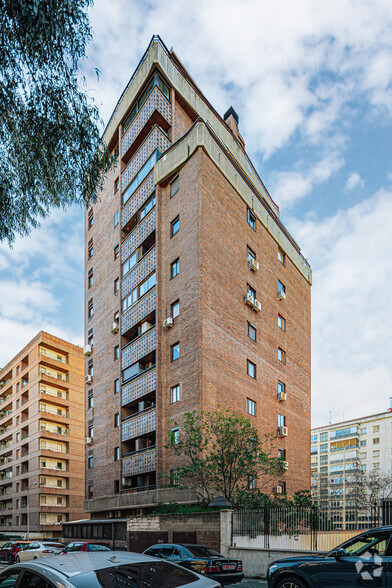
(154, 574)
(58, 545)
(34, 546)
(176, 552)
(153, 551)
(30, 580)
(74, 547)
(93, 547)
(167, 551)
(374, 543)
(6, 545)
(202, 551)
(8, 579)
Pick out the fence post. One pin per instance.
(314, 525)
(266, 515)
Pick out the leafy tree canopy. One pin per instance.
(222, 453)
(51, 153)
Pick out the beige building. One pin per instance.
(342, 453)
(42, 437)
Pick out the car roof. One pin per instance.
(76, 563)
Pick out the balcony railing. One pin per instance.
(139, 424)
(139, 234)
(138, 199)
(140, 462)
(142, 346)
(139, 311)
(139, 386)
(145, 266)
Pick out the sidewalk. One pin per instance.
(247, 583)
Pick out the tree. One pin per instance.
(51, 154)
(222, 453)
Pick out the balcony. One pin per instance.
(143, 307)
(139, 348)
(139, 272)
(156, 140)
(155, 110)
(139, 234)
(138, 199)
(140, 386)
(139, 424)
(140, 463)
(52, 355)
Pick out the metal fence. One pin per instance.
(302, 529)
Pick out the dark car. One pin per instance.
(200, 559)
(86, 546)
(10, 549)
(363, 560)
(101, 569)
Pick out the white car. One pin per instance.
(39, 549)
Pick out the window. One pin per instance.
(282, 390)
(281, 488)
(90, 308)
(376, 453)
(90, 249)
(281, 420)
(251, 219)
(175, 351)
(116, 386)
(147, 285)
(175, 309)
(90, 279)
(251, 291)
(90, 462)
(324, 459)
(116, 251)
(116, 218)
(376, 440)
(363, 431)
(376, 428)
(251, 368)
(324, 436)
(281, 287)
(175, 393)
(281, 322)
(91, 431)
(149, 205)
(116, 185)
(116, 420)
(281, 355)
(90, 400)
(251, 407)
(138, 292)
(90, 221)
(174, 478)
(324, 448)
(174, 436)
(282, 454)
(363, 468)
(116, 352)
(130, 262)
(362, 443)
(116, 454)
(376, 466)
(175, 268)
(116, 285)
(281, 257)
(143, 173)
(252, 331)
(363, 455)
(175, 226)
(174, 186)
(313, 439)
(251, 255)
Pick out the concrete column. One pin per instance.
(226, 526)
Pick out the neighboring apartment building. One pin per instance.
(356, 448)
(196, 294)
(42, 437)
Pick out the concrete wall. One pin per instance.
(256, 561)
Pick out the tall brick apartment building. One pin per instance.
(196, 294)
(42, 437)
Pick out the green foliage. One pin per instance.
(175, 508)
(256, 500)
(222, 453)
(51, 154)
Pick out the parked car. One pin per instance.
(10, 549)
(86, 546)
(363, 560)
(200, 559)
(101, 569)
(39, 549)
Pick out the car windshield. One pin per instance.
(201, 551)
(22, 544)
(95, 547)
(159, 574)
(374, 543)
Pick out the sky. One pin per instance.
(312, 84)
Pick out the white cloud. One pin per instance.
(351, 342)
(354, 181)
(290, 186)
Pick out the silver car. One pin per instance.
(39, 549)
(101, 569)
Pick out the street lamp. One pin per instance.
(28, 508)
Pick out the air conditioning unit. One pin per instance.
(285, 465)
(168, 323)
(87, 350)
(282, 396)
(278, 490)
(257, 306)
(249, 300)
(88, 379)
(253, 265)
(283, 431)
(124, 482)
(88, 441)
(145, 327)
(282, 295)
(114, 328)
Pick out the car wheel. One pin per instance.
(10, 559)
(291, 582)
(35, 557)
(17, 559)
